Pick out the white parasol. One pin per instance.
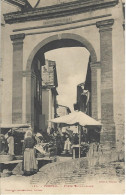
(77, 117)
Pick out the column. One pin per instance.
(1, 89)
(107, 112)
(30, 89)
(50, 108)
(17, 77)
(96, 90)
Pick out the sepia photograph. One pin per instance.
(62, 97)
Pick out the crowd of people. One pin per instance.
(63, 142)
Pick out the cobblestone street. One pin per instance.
(107, 174)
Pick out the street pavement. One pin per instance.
(105, 174)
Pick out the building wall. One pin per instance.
(37, 87)
(7, 67)
(34, 40)
(119, 76)
(27, 49)
(45, 108)
(7, 76)
(48, 108)
(49, 84)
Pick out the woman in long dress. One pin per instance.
(10, 141)
(30, 163)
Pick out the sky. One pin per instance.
(71, 65)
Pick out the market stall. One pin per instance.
(10, 163)
(78, 118)
(11, 136)
(17, 131)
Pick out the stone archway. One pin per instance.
(84, 42)
(54, 42)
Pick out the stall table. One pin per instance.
(74, 148)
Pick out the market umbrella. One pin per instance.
(79, 118)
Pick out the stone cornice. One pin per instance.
(60, 10)
(17, 37)
(105, 23)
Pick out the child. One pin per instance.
(67, 145)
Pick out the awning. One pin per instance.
(10, 126)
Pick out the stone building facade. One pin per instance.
(27, 33)
(49, 94)
(83, 99)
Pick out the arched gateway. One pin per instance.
(90, 24)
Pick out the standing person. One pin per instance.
(67, 145)
(38, 138)
(59, 143)
(10, 141)
(3, 144)
(30, 163)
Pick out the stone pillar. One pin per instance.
(1, 89)
(17, 77)
(96, 90)
(30, 86)
(107, 112)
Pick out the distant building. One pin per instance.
(62, 110)
(84, 95)
(49, 93)
(87, 87)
